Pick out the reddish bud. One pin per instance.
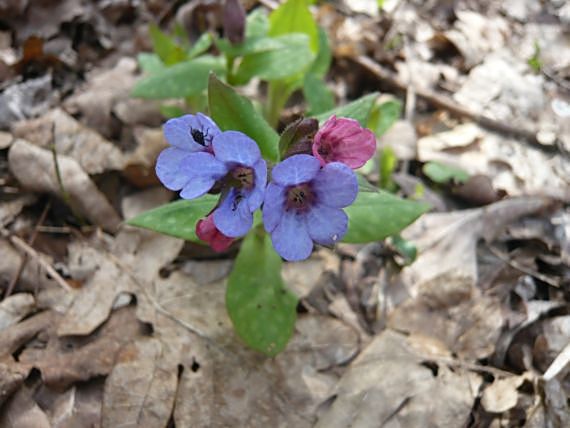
(233, 19)
(207, 231)
(344, 140)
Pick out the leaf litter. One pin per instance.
(474, 332)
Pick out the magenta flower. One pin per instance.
(207, 231)
(303, 204)
(344, 140)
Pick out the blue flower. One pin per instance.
(201, 156)
(303, 204)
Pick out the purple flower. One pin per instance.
(303, 204)
(202, 156)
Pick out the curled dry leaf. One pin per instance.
(35, 169)
(94, 153)
(14, 308)
(446, 301)
(502, 394)
(394, 383)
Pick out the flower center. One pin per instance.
(198, 136)
(326, 151)
(300, 197)
(243, 177)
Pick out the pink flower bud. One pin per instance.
(344, 140)
(207, 231)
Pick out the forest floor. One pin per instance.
(103, 324)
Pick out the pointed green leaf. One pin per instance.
(200, 46)
(322, 62)
(318, 95)
(359, 110)
(383, 116)
(262, 310)
(150, 63)
(181, 80)
(232, 111)
(441, 173)
(375, 216)
(294, 16)
(177, 218)
(165, 46)
(256, 24)
(290, 55)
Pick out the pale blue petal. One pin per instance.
(336, 185)
(233, 217)
(296, 170)
(178, 131)
(202, 170)
(236, 147)
(326, 225)
(168, 168)
(291, 238)
(255, 197)
(273, 206)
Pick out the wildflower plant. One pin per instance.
(275, 197)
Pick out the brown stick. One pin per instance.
(446, 103)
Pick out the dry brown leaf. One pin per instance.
(12, 376)
(94, 153)
(5, 140)
(475, 35)
(22, 411)
(9, 210)
(78, 407)
(511, 165)
(34, 168)
(134, 259)
(446, 268)
(104, 89)
(64, 361)
(14, 308)
(139, 392)
(502, 394)
(389, 384)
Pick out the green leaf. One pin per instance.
(181, 80)
(248, 46)
(375, 216)
(364, 185)
(359, 110)
(262, 310)
(256, 24)
(170, 111)
(202, 45)
(176, 218)
(290, 55)
(383, 116)
(294, 16)
(318, 95)
(150, 63)
(232, 111)
(165, 47)
(388, 163)
(406, 248)
(441, 173)
(322, 62)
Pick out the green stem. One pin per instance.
(277, 95)
(230, 69)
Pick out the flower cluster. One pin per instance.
(303, 203)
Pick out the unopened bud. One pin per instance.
(233, 18)
(298, 137)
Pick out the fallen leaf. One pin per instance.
(12, 376)
(393, 383)
(105, 88)
(9, 210)
(64, 361)
(34, 168)
(14, 308)
(22, 411)
(502, 394)
(94, 153)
